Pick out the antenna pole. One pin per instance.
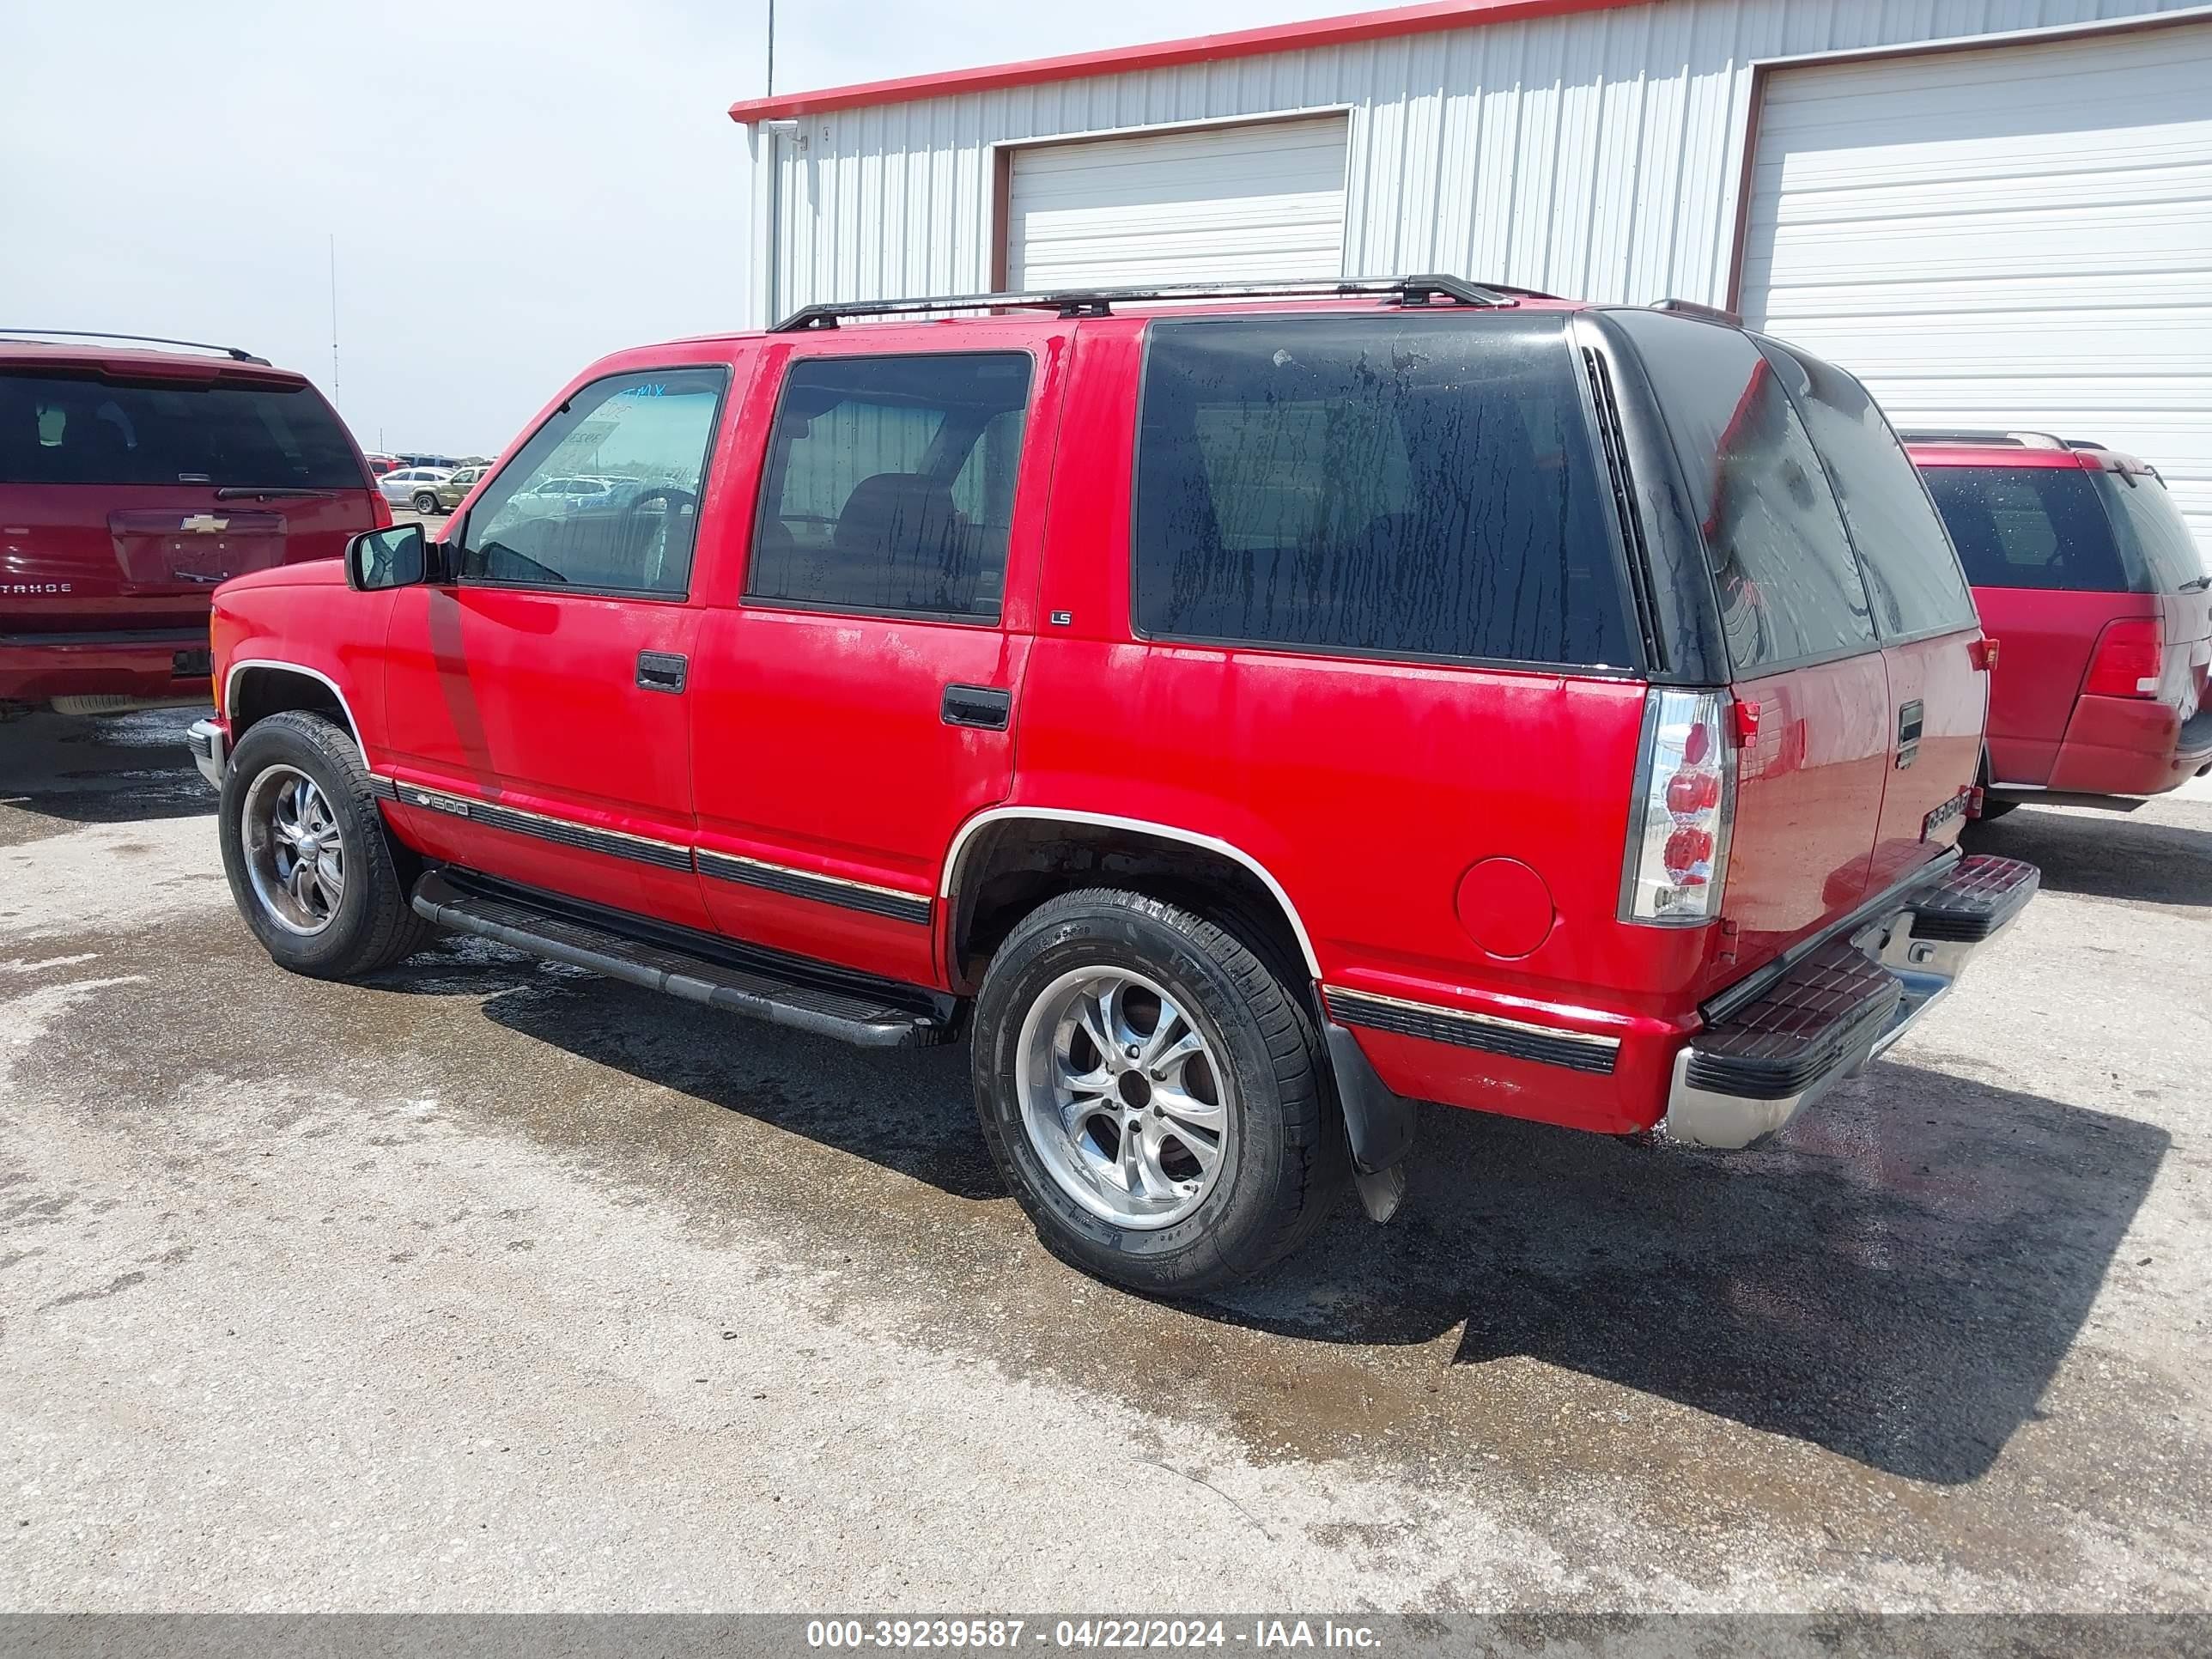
(771, 48)
(334, 317)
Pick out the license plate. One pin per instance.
(1953, 808)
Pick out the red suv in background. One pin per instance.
(132, 481)
(2089, 581)
(1243, 718)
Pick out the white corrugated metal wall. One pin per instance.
(2020, 233)
(1596, 154)
(1248, 202)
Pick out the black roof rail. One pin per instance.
(1692, 308)
(1100, 301)
(234, 352)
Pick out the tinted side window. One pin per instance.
(2028, 526)
(890, 485)
(1790, 589)
(1911, 574)
(1397, 485)
(64, 429)
(643, 437)
(2151, 531)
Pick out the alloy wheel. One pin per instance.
(295, 850)
(1123, 1098)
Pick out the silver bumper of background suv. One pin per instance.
(205, 740)
(1823, 1017)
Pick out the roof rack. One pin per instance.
(1692, 308)
(1992, 437)
(234, 352)
(1100, 301)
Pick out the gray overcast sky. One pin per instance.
(515, 187)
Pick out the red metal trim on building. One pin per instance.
(1347, 30)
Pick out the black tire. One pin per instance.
(1286, 1162)
(426, 502)
(373, 925)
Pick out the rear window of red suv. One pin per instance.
(1397, 486)
(2029, 526)
(64, 429)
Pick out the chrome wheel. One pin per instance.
(294, 854)
(1123, 1099)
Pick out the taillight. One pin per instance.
(1685, 806)
(380, 511)
(2129, 655)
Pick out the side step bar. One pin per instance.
(710, 972)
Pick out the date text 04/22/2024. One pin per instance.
(1261, 1634)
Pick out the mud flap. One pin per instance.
(1378, 1121)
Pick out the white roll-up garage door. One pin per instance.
(2015, 236)
(1244, 204)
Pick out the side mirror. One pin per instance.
(397, 556)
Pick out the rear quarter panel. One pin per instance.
(1370, 790)
(2045, 639)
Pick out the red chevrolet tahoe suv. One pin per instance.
(132, 481)
(2087, 578)
(1243, 719)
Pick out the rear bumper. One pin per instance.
(1758, 1064)
(159, 666)
(2129, 746)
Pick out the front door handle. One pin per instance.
(661, 670)
(987, 708)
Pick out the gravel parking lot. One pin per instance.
(492, 1284)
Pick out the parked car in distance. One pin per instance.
(554, 496)
(134, 477)
(425, 489)
(381, 465)
(1423, 690)
(2089, 581)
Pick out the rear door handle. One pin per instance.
(987, 708)
(1909, 721)
(661, 670)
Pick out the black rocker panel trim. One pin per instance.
(666, 855)
(1597, 1056)
(800, 884)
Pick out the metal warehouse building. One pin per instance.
(1999, 212)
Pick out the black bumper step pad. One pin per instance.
(849, 1014)
(1834, 1003)
(1979, 895)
